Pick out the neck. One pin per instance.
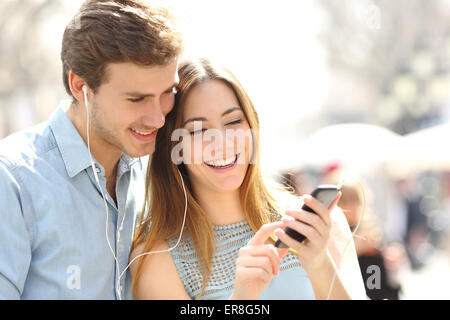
(221, 207)
(106, 154)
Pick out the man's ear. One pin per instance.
(76, 84)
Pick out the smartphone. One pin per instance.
(326, 194)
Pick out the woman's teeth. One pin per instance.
(222, 163)
(144, 133)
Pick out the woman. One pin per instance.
(227, 246)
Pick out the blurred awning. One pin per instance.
(354, 145)
(427, 149)
(359, 147)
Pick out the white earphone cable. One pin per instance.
(99, 185)
(338, 265)
(179, 237)
(119, 276)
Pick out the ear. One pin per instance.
(76, 84)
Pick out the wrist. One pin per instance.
(320, 264)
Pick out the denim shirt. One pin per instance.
(53, 218)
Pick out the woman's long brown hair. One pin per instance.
(162, 215)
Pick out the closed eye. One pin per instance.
(171, 91)
(235, 122)
(197, 131)
(136, 99)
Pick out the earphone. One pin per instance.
(84, 88)
(119, 276)
(181, 232)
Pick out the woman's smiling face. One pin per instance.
(218, 152)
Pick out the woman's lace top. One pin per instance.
(291, 283)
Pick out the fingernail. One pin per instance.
(307, 197)
(288, 219)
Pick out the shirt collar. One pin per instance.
(126, 162)
(70, 144)
(129, 161)
(73, 150)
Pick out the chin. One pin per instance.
(133, 153)
(230, 184)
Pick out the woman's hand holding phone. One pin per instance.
(315, 227)
(257, 264)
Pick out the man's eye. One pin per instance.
(136, 99)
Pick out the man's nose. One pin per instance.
(154, 116)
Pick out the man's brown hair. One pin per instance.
(113, 31)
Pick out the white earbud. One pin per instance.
(84, 89)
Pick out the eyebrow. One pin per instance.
(204, 119)
(137, 94)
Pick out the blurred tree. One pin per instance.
(29, 66)
(399, 49)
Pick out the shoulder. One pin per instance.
(148, 261)
(22, 155)
(11, 185)
(158, 277)
(23, 147)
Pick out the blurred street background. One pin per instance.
(345, 89)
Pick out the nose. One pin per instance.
(154, 116)
(224, 144)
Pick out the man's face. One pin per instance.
(130, 107)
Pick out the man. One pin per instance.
(63, 233)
